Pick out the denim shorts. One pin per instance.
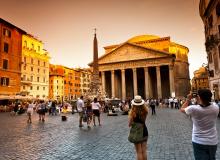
(204, 152)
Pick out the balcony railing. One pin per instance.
(26, 81)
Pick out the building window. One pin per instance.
(38, 63)
(219, 30)
(216, 64)
(32, 60)
(37, 87)
(44, 79)
(6, 32)
(23, 87)
(32, 78)
(38, 70)
(218, 9)
(31, 87)
(38, 79)
(44, 71)
(210, 20)
(24, 59)
(25, 43)
(32, 45)
(32, 69)
(44, 88)
(44, 64)
(210, 57)
(24, 77)
(24, 67)
(38, 48)
(5, 64)
(4, 81)
(219, 51)
(5, 47)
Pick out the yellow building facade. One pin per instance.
(200, 79)
(56, 82)
(34, 68)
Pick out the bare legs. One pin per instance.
(29, 118)
(94, 120)
(80, 119)
(141, 149)
(42, 117)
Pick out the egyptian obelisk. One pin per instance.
(95, 82)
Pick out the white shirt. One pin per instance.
(204, 123)
(80, 105)
(95, 106)
(30, 108)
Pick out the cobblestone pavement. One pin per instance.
(169, 138)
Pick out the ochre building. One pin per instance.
(147, 65)
(64, 83)
(10, 58)
(71, 83)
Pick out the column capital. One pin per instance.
(134, 69)
(112, 71)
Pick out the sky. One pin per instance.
(66, 27)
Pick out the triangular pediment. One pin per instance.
(131, 52)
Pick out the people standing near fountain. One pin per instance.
(96, 107)
(80, 108)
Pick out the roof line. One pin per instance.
(11, 25)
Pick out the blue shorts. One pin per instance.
(204, 152)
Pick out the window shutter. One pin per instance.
(2, 81)
(7, 81)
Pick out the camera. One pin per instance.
(194, 94)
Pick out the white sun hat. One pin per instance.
(137, 101)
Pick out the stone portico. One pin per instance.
(142, 66)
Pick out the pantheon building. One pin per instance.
(147, 65)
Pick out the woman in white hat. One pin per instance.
(138, 114)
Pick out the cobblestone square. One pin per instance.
(169, 138)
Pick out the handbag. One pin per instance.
(136, 133)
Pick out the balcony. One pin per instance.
(212, 41)
(26, 81)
